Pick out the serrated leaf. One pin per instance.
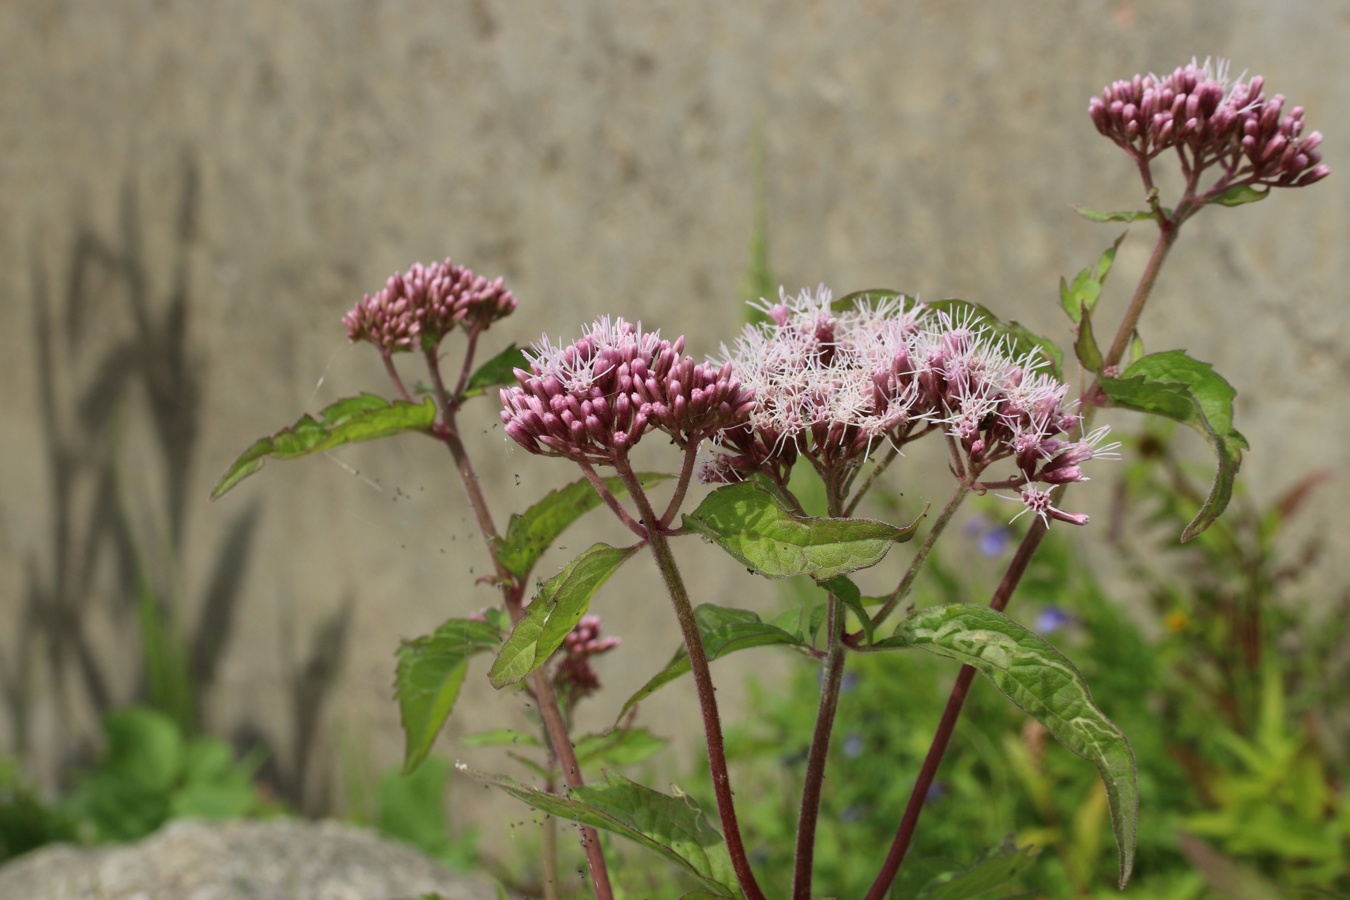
(749, 523)
(724, 630)
(674, 827)
(1040, 680)
(1086, 288)
(1021, 340)
(1240, 195)
(498, 371)
(530, 533)
(1085, 348)
(354, 419)
(555, 611)
(1175, 386)
(1096, 215)
(429, 675)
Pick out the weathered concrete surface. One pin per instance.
(273, 860)
(268, 163)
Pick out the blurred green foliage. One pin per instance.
(150, 772)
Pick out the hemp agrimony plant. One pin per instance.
(834, 389)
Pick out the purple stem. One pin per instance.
(928, 771)
(707, 693)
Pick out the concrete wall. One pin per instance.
(195, 192)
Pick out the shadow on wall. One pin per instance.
(111, 574)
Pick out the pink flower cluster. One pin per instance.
(574, 678)
(419, 307)
(827, 385)
(592, 400)
(1210, 119)
(833, 385)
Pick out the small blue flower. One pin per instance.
(853, 746)
(1051, 619)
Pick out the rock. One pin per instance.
(281, 859)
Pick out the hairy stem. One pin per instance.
(816, 757)
(611, 501)
(707, 693)
(392, 370)
(1167, 236)
(681, 485)
(815, 760)
(871, 478)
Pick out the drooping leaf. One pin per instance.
(1021, 340)
(362, 418)
(1031, 673)
(848, 594)
(724, 630)
(529, 534)
(1096, 215)
(1174, 385)
(674, 827)
(498, 371)
(1086, 288)
(1240, 195)
(749, 523)
(1085, 348)
(555, 611)
(430, 672)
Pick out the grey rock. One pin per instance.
(242, 860)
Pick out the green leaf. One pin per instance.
(724, 630)
(1031, 673)
(1096, 215)
(1020, 340)
(851, 597)
(499, 370)
(555, 611)
(992, 871)
(1173, 385)
(673, 827)
(1085, 348)
(430, 672)
(749, 523)
(362, 418)
(1086, 289)
(619, 747)
(1240, 195)
(529, 534)
(145, 749)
